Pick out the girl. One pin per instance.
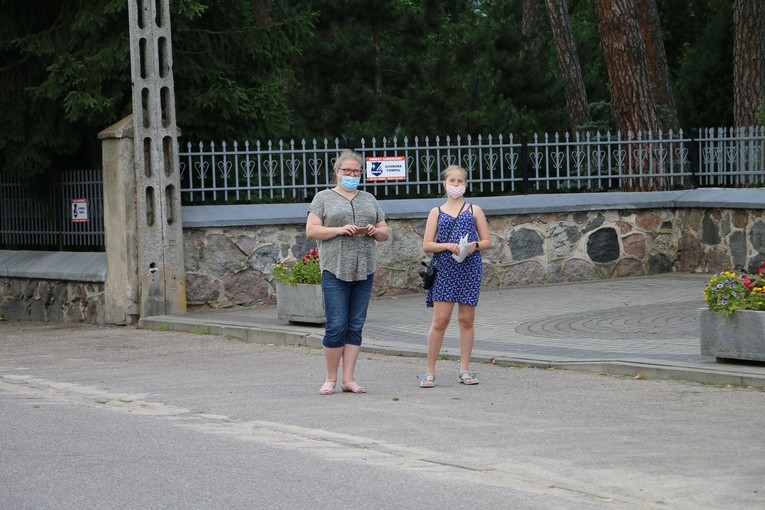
(456, 282)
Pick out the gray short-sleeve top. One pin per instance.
(349, 258)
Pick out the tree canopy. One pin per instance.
(247, 69)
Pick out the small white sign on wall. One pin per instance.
(79, 210)
(386, 168)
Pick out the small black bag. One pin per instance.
(428, 275)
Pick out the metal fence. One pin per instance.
(497, 165)
(65, 215)
(293, 171)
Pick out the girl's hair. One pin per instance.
(347, 155)
(453, 168)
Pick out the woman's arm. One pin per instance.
(380, 231)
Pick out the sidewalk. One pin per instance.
(643, 327)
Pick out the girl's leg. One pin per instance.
(466, 318)
(442, 314)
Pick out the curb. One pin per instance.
(293, 335)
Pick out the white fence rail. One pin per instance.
(294, 171)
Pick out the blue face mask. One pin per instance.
(349, 183)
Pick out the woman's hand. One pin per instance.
(349, 230)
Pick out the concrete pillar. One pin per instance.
(159, 235)
(121, 296)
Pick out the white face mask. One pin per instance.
(455, 191)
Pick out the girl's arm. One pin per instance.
(429, 244)
(482, 225)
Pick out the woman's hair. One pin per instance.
(453, 168)
(347, 155)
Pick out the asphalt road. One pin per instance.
(110, 417)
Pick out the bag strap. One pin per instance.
(453, 224)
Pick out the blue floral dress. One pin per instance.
(457, 282)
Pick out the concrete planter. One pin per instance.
(300, 303)
(740, 336)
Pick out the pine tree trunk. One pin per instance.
(532, 27)
(568, 61)
(656, 59)
(262, 11)
(748, 61)
(631, 96)
(532, 13)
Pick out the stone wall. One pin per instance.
(51, 300)
(714, 240)
(229, 250)
(229, 266)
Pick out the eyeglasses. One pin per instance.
(351, 171)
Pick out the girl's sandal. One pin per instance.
(328, 388)
(428, 381)
(352, 387)
(467, 378)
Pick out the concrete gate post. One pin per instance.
(121, 296)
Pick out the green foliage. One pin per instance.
(704, 76)
(232, 74)
(334, 68)
(422, 68)
(305, 270)
(761, 114)
(65, 73)
(592, 62)
(602, 117)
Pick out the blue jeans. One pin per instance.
(345, 306)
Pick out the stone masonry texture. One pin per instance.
(233, 266)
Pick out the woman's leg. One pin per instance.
(466, 318)
(350, 356)
(336, 298)
(332, 357)
(442, 314)
(358, 304)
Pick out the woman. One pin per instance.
(346, 223)
(456, 282)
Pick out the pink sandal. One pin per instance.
(328, 388)
(352, 387)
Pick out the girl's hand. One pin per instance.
(473, 248)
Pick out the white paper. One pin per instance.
(464, 249)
